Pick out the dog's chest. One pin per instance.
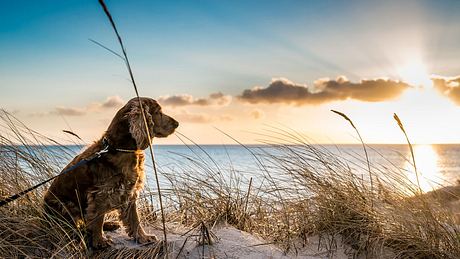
(133, 175)
(126, 186)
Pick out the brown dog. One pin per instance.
(113, 181)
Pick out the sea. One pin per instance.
(436, 165)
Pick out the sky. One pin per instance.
(245, 68)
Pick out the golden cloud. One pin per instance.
(215, 99)
(448, 86)
(282, 90)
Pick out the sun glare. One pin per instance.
(426, 160)
(415, 72)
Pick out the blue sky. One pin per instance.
(197, 48)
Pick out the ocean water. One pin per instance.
(436, 164)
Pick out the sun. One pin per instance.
(415, 73)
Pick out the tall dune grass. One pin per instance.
(299, 190)
(25, 160)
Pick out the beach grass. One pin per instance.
(299, 191)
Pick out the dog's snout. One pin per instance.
(175, 123)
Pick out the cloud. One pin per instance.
(225, 117)
(448, 86)
(110, 103)
(215, 99)
(113, 102)
(186, 116)
(68, 111)
(38, 114)
(281, 90)
(257, 114)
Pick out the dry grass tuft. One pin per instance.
(340, 205)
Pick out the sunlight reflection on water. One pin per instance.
(427, 163)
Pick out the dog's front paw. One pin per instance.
(144, 238)
(101, 243)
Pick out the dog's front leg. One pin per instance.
(95, 220)
(130, 218)
(97, 239)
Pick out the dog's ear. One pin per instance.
(137, 125)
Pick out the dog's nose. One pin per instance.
(175, 124)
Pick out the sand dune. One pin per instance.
(230, 242)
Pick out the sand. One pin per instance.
(230, 242)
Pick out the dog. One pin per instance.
(112, 181)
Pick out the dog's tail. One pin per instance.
(111, 225)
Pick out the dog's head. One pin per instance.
(128, 128)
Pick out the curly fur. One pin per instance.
(113, 181)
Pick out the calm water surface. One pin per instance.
(436, 164)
